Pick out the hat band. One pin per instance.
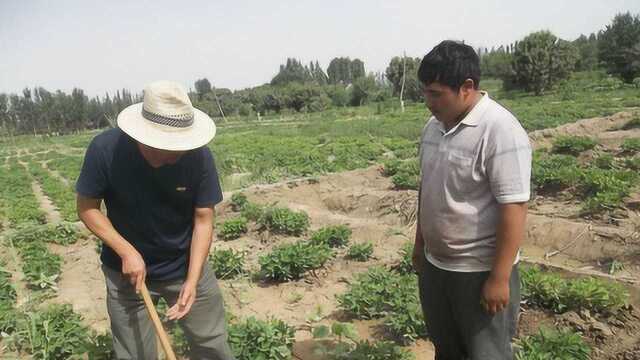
(180, 121)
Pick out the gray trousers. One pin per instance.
(457, 323)
(133, 334)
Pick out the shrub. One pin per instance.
(360, 251)
(289, 262)
(285, 221)
(227, 264)
(572, 145)
(257, 339)
(553, 345)
(233, 228)
(334, 236)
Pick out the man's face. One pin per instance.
(157, 157)
(444, 103)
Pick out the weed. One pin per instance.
(257, 339)
(285, 221)
(572, 145)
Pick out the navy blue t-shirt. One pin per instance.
(152, 208)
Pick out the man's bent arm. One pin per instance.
(132, 262)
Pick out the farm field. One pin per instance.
(312, 238)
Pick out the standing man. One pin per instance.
(476, 166)
(160, 185)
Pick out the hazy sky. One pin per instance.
(107, 45)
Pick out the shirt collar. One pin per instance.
(471, 119)
(474, 116)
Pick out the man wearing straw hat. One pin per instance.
(159, 184)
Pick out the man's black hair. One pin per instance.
(450, 63)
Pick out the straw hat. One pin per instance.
(166, 119)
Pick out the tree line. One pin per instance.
(536, 63)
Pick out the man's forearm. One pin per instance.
(101, 226)
(509, 237)
(200, 242)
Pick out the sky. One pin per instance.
(102, 46)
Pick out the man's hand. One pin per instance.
(133, 266)
(495, 294)
(185, 301)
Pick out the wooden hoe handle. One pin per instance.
(153, 314)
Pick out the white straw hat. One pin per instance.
(166, 119)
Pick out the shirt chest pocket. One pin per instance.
(460, 178)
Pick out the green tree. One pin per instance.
(540, 60)
(203, 86)
(394, 72)
(619, 46)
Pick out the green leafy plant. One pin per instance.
(631, 145)
(257, 339)
(407, 325)
(238, 201)
(405, 266)
(334, 236)
(572, 145)
(344, 344)
(291, 261)
(285, 221)
(632, 163)
(605, 161)
(233, 228)
(550, 291)
(227, 264)
(53, 333)
(553, 344)
(360, 251)
(7, 301)
(251, 211)
(377, 292)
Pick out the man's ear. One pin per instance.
(467, 87)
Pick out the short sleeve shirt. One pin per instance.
(152, 208)
(466, 172)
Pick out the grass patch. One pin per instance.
(572, 145)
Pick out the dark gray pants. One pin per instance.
(456, 321)
(133, 333)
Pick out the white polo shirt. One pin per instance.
(484, 161)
